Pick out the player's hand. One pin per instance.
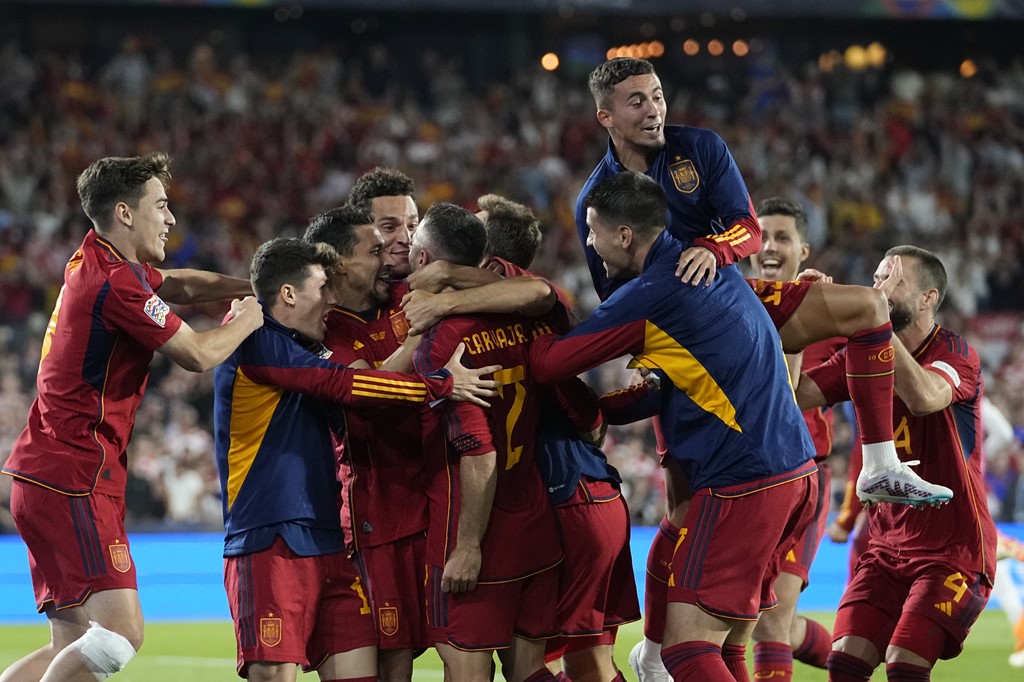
(461, 570)
(423, 310)
(432, 277)
(837, 533)
(468, 383)
(696, 264)
(246, 311)
(887, 285)
(812, 275)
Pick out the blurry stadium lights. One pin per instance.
(691, 47)
(968, 69)
(876, 54)
(655, 48)
(716, 48)
(549, 62)
(829, 61)
(740, 48)
(856, 58)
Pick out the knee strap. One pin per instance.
(105, 652)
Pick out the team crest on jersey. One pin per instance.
(120, 559)
(157, 310)
(684, 176)
(270, 631)
(388, 617)
(887, 355)
(400, 326)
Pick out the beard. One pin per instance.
(900, 315)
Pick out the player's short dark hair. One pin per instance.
(783, 206)
(932, 272)
(454, 234)
(381, 182)
(606, 76)
(513, 231)
(287, 260)
(337, 227)
(630, 198)
(114, 179)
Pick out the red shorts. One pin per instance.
(76, 545)
(884, 588)
(780, 299)
(293, 609)
(597, 590)
(490, 615)
(799, 559)
(394, 574)
(731, 549)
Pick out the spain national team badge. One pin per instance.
(157, 310)
(120, 559)
(388, 617)
(270, 631)
(684, 176)
(400, 326)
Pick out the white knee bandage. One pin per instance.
(105, 652)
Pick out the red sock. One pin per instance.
(816, 646)
(542, 675)
(846, 668)
(735, 657)
(659, 569)
(619, 678)
(773, 660)
(697, 661)
(869, 371)
(907, 672)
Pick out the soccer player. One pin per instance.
(727, 411)
(382, 461)
(597, 592)
(295, 596)
(926, 575)
(492, 545)
(390, 196)
(69, 464)
(710, 212)
(781, 630)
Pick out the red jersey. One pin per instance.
(819, 419)
(381, 470)
(97, 349)
(521, 536)
(948, 445)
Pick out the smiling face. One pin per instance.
(782, 250)
(364, 270)
(634, 115)
(396, 218)
(609, 242)
(150, 221)
(309, 301)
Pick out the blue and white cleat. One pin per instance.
(900, 485)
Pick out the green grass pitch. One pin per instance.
(204, 652)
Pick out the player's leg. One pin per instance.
(862, 315)
(591, 664)
(260, 671)
(109, 632)
(771, 635)
(465, 666)
(357, 665)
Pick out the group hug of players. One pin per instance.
(477, 511)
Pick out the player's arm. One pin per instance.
(596, 340)
(185, 285)
(631, 404)
(923, 390)
(530, 296)
(200, 351)
(478, 477)
(440, 275)
(825, 384)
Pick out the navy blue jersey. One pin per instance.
(276, 424)
(727, 406)
(708, 202)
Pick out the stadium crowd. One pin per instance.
(259, 145)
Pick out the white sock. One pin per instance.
(650, 655)
(879, 456)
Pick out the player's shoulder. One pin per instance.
(692, 135)
(948, 342)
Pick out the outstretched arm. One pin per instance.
(531, 296)
(185, 285)
(478, 477)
